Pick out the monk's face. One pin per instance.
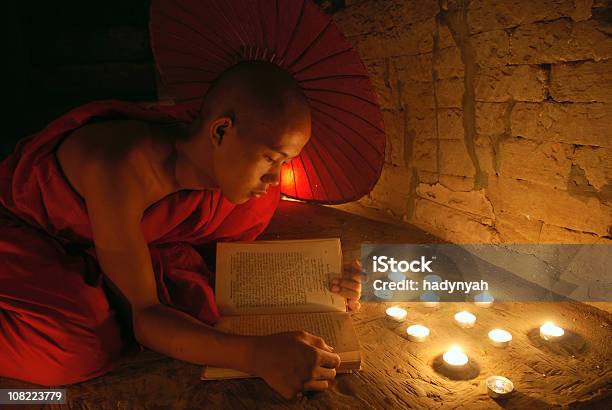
(251, 154)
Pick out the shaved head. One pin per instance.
(252, 92)
(254, 119)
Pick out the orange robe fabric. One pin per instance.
(56, 324)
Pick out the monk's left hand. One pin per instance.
(349, 285)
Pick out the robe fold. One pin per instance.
(56, 323)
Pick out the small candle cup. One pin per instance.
(396, 313)
(396, 276)
(455, 358)
(483, 300)
(430, 299)
(499, 386)
(551, 332)
(500, 337)
(417, 333)
(465, 319)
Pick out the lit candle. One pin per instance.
(430, 299)
(499, 386)
(465, 319)
(455, 357)
(549, 331)
(483, 299)
(396, 313)
(500, 337)
(383, 294)
(417, 333)
(396, 276)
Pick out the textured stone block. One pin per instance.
(424, 155)
(452, 225)
(397, 41)
(490, 118)
(392, 190)
(550, 205)
(454, 159)
(561, 40)
(547, 163)
(450, 124)
(485, 15)
(555, 234)
(394, 127)
(596, 163)
(449, 92)
(414, 68)
(457, 183)
(448, 63)
(579, 123)
(384, 81)
(584, 81)
(473, 202)
(520, 83)
(380, 15)
(420, 124)
(517, 228)
(491, 48)
(416, 96)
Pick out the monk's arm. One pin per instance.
(115, 210)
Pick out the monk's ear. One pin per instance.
(219, 129)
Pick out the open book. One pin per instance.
(266, 287)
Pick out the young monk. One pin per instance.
(138, 196)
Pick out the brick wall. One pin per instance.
(498, 115)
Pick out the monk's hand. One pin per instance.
(294, 362)
(349, 285)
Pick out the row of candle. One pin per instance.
(497, 386)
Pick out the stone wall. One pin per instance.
(498, 115)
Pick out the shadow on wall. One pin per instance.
(87, 51)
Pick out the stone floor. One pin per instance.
(396, 373)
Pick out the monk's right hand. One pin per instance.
(294, 362)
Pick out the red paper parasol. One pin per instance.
(196, 40)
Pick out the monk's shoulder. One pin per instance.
(109, 149)
(108, 141)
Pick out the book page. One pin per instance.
(335, 328)
(266, 277)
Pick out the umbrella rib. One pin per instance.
(348, 112)
(190, 13)
(276, 26)
(262, 25)
(227, 22)
(305, 173)
(191, 28)
(318, 177)
(330, 128)
(295, 28)
(367, 140)
(241, 27)
(294, 183)
(352, 164)
(312, 43)
(342, 93)
(323, 59)
(329, 77)
(324, 164)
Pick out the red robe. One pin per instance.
(56, 324)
